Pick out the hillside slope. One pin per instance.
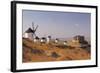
(37, 52)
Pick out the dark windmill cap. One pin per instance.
(36, 37)
(29, 30)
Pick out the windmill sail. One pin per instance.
(33, 25)
(34, 29)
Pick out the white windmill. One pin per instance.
(65, 42)
(56, 40)
(48, 39)
(30, 33)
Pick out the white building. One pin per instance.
(48, 39)
(65, 42)
(56, 40)
(36, 39)
(28, 34)
(43, 40)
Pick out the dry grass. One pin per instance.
(37, 52)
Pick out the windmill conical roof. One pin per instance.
(29, 30)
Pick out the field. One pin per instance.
(42, 52)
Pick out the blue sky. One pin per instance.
(57, 24)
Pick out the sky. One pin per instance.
(57, 24)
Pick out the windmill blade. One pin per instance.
(35, 28)
(33, 25)
(34, 35)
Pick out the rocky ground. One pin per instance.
(37, 52)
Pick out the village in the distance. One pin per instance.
(44, 49)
